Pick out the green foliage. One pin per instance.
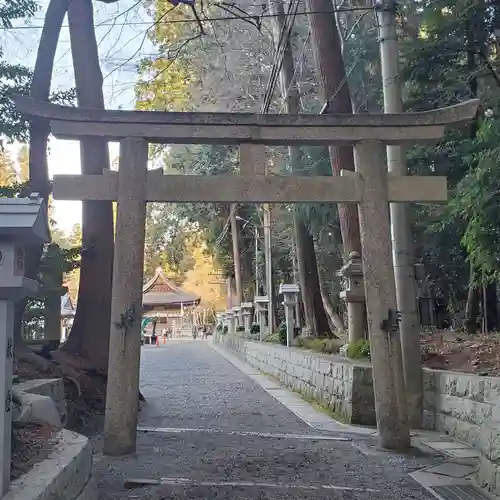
(359, 349)
(328, 346)
(225, 330)
(282, 333)
(255, 328)
(475, 204)
(273, 338)
(240, 328)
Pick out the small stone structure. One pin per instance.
(354, 295)
(238, 320)
(290, 293)
(262, 303)
(22, 222)
(246, 311)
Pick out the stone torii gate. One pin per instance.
(133, 186)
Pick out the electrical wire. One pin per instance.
(221, 18)
(284, 37)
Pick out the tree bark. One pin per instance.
(327, 49)
(322, 327)
(89, 336)
(472, 305)
(38, 170)
(334, 318)
(491, 306)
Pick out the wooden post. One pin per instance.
(380, 291)
(122, 397)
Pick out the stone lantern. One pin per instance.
(261, 304)
(246, 311)
(290, 293)
(22, 223)
(238, 320)
(354, 296)
(230, 321)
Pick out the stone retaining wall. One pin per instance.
(345, 387)
(465, 406)
(65, 474)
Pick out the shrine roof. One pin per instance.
(161, 291)
(67, 307)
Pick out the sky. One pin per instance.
(122, 43)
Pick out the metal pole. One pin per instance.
(400, 227)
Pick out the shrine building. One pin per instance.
(170, 306)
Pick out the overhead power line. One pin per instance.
(281, 46)
(221, 18)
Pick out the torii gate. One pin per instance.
(132, 186)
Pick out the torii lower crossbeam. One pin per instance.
(258, 189)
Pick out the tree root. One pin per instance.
(85, 386)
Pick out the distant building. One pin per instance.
(169, 305)
(68, 311)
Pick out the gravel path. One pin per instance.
(193, 391)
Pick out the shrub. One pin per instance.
(240, 328)
(225, 330)
(328, 346)
(255, 328)
(359, 349)
(282, 333)
(219, 328)
(272, 338)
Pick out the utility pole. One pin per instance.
(406, 291)
(236, 254)
(296, 278)
(269, 266)
(256, 232)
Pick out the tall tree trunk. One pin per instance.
(472, 306)
(291, 98)
(39, 133)
(333, 317)
(327, 49)
(89, 336)
(491, 306)
(235, 238)
(307, 300)
(322, 327)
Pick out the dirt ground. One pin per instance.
(445, 350)
(31, 444)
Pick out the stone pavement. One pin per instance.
(211, 428)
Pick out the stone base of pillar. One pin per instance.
(356, 321)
